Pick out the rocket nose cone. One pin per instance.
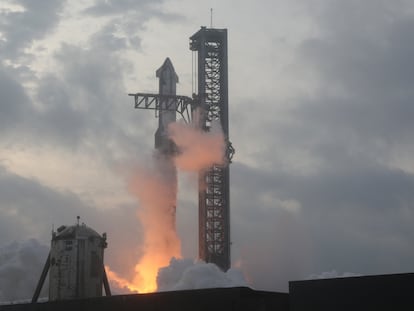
(167, 68)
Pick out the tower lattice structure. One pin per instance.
(214, 183)
(209, 105)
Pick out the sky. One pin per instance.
(321, 107)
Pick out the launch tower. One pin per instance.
(210, 104)
(214, 199)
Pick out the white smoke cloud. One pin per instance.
(155, 187)
(184, 274)
(21, 264)
(198, 149)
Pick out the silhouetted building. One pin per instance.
(376, 292)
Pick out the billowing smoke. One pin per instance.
(21, 264)
(155, 186)
(187, 274)
(197, 149)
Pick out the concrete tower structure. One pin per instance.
(76, 263)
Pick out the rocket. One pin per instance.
(168, 80)
(164, 146)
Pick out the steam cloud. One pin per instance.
(186, 274)
(155, 187)
(21, 264)
(197, 149)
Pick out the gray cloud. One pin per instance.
(13, 102)
(80, 105)
(357, 220)
(364, 61)
(114, 7)
(90, 95)
(21, 264)
(29, 209)
(143, 10)
(329, 148)
(83, 100)
(127, 20)
(320, 194)
(27, 203)
(22, 27)
(106, 39)
(60, 119)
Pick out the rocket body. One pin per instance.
(168, 80)
(164, 146)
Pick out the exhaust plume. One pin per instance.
(197, 149)
(155, 187)
(184, 274)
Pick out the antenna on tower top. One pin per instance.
(211, 17)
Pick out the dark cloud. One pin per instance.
(312, 185)
(106, 39)
(364, 62)
(82, 101)
(127, 20)
(328, 149)
(143, 10)
(88, 92)
(30, 209)
(21, 264)
(20, 28)
(80, 104)
(27, 203)
(357, 68)
(114, 7)
(353, 221)
(59, 120)
(13, 102)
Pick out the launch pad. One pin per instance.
(209, 105)
(380, 292)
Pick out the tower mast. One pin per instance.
(214, 192)
(210, 105)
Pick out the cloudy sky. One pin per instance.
(321, 110)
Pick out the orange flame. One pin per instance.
(119, 281)
(145, 278)
(155, 188)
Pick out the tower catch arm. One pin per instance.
(184, 105)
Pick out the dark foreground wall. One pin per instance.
(379, 292)
(225, 299)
